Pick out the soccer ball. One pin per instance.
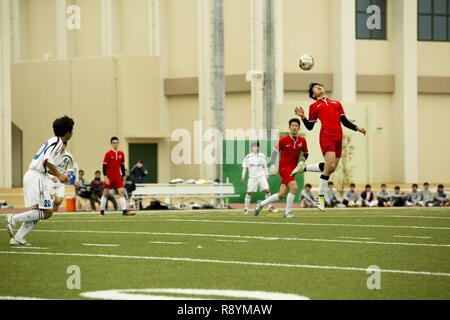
(306, 62)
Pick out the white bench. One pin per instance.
(219, 193)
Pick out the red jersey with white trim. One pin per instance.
(290, 149)
(113, 161)
(328, 112)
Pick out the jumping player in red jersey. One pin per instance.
(290, 148)
(114, 170)
(331, 115)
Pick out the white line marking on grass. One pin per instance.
(224, 240)
(231, 262)
(307, 224)
(20, 298)
(99, 245)
(34, 248)
(244, 237)
(420, 217)
(355, 238)
(166, 242)
(413, 237)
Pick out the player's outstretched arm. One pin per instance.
(301, 113)
(54, 171)
(346, 123)
(273, 161)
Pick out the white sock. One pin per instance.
(323, 186)
(103, 203)
(313, 167)
(25, 229)
(123, 203)
(289, 202)
(32, 215)
(270, 199)
(267, 197)
(247, 201)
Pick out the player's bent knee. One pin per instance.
(48, 214)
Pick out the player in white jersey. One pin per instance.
(35, 186)
(256, 165)
(57, 189)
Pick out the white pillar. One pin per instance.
(343, 49)
(5, 95)
(61, 29)
(15, 30)
(153, 27)
(107, 27)
(405, 100)
(211, 77)
(256, 74)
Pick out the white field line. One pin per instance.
(99, 245)
(225, 240)
(229, 262)
(355, 238)
(306, 224)
(20, 298)
(412, 237)
(32, 247)
(166, 242)
(420, 217)
(244, 237)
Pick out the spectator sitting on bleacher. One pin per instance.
(383, 197)
(331, 199)
(97, 190)
(368, 199)
(413, 198)
(351, 197)
(426, 197)
(441, 198)
(83, 190)
(398, 199)
(130, 186)
(307, 198)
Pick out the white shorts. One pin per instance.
(254, 183)
(56, 189)
(35, 190)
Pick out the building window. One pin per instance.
(371, 19)
(433, 20)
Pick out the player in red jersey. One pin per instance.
(114, 170)
(290, 148)
(331, 115)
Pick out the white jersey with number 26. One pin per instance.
(50, 152)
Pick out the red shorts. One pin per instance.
(331, 143)
(116, 183)
(285, 174)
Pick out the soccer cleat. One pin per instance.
(245, 211)
(258, 208)
(102, 212)
(19, 243)
(300, 168)
(320, 201)
(273, 210)
(128, 213)
(288, 215)
(9, 225)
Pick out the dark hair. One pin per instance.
(294, 120)
(441, 186)
(98, 171)
(415, 185)
(383, 185)
(397, 188)
(352, 185)
(330, 183)
(254, 144)
(310, 90)
(80, 171)
(308, 185)
(62, 126)
(426, 184)
(114, 139)
(368, 186)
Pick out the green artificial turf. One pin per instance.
(318, 255)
